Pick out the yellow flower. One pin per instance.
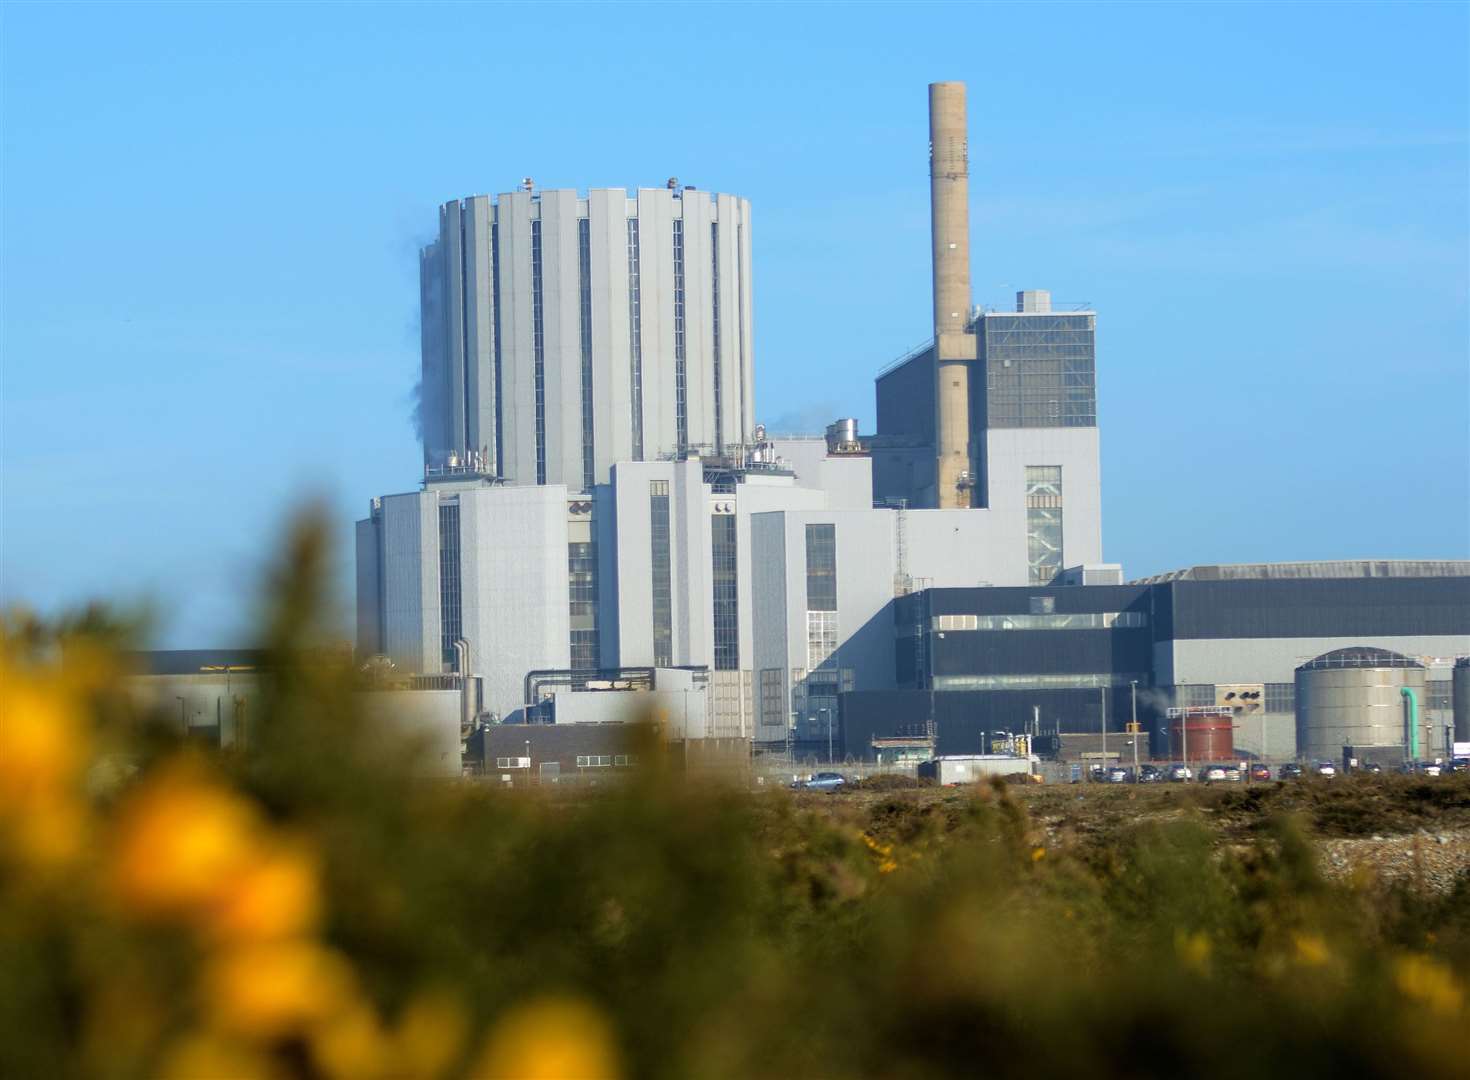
(1193, 950)
(274, 896)
(1311, 950)
(266, 990)
(1038, 853)
(430, 1034)
(40, 740)
(1431, 982)
(181, 842)
(351, 1045)
(550, 1039)
(204, 1054)
(41, 745)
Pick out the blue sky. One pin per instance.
(210, 217)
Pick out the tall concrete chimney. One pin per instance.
(949, 195)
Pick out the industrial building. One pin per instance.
(971, 663)
(601, 515)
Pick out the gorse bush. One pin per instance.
(306, 907)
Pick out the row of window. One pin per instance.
(681, 384)
(1093, 620)
(538, 343)
(662, 585)
(1043, 523)
(451, 626)
(1036, 682)
(726, 591)
(635, 336)
(714, 268)
(584, 266)
(605, 761)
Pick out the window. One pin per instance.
(635, 336)
(512, 763)
(1043, 522)
(714, 269)
(450, 620)
(582, 594)
(495, 286)
(821, 637)
(538, 344)
(1038, 682)
(1089, 620)
(1039, 370)
(821, 567)
(681, 382)
(1043, 605)
(726, 592)
(773, 698)
(584, 267)
(594, 761)
(663, 610)
(1280, 697)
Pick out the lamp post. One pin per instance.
(528, 762)
(1133, 692)
(183, 720)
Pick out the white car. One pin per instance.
(1213, 774)
(1324, 768)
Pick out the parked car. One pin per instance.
(1290, 771)
(1212, 774)
(822, 781)
(1118, 775)
(1459, 765)
(1180, 773)
(1150, 774)
(1370, 767)
(1233, 773)
(1324, 769)
(1260, 771)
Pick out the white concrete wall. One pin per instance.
(513, 578)
(1212, 660)
(954, 548)
(458, 301)
(1076, 450)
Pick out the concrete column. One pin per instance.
(949, 191)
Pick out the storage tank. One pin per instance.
(1204, 733)
(842, 437)
(1460, 690)
(1355, 697)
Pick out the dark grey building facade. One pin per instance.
(1071, 658)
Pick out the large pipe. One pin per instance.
(949, 195)
(1412, 719)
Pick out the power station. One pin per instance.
(602, 519)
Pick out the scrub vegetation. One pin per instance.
(305, 908)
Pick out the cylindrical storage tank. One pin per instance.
(1209, 738)
(1460, 690)
(1354, 697)
(842, 436)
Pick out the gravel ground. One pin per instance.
(1433, 861)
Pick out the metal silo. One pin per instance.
(1460, 688)
(1361, 697)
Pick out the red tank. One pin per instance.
(1210, 738)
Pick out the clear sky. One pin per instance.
(211, 215)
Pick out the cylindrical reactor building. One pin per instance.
(564, 333)
(1354, 697)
